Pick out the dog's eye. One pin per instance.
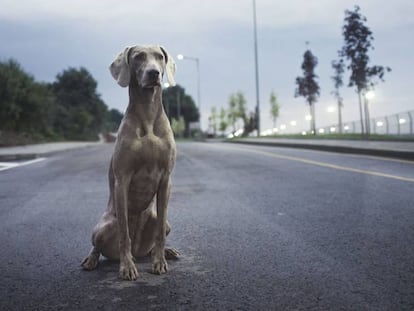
(159, 56)
(140, 56)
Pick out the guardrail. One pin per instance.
(396, 124)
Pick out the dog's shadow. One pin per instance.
(109, 274)
(143, 264)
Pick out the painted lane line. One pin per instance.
(334, 166)
(328, 165)
(5, 165)
(10, 165)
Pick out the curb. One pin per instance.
(18, 157)
(396, 154)
(31, 156)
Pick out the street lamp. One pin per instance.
(368, 96)
(331, 109)
(256, 66)
(197, 61)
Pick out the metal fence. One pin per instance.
(396, 124)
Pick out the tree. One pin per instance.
(241, 106)
(307, 86)
(232, 113)
(357, 42)
(30, 111)
(274, 108)
(27, 106)
(178, 126)
(113, 120)
(223, 120)
(338, 67)
(237, 110)
(178, 104)
(213, 120)
(81, 112)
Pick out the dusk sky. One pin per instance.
(47, 37)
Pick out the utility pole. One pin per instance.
(257, 70)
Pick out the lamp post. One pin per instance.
(197, 61)
(256, 70)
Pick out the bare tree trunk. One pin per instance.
(361, 116)
(340, 116)
(312, 113)
(367, 121)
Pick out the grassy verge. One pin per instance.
(372, 137)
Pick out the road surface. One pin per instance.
(259, 228)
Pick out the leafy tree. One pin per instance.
(27, 106)
(250, 124)
(307, 86)
(223, 120)
(338, 67)
(232, 113)
(237, 110)
(70, 108)
(81, 112)
(357, 42)
(274, 108)
(178, 126)
(241, 106)
(213, 120)
(176, 104)
(114, 118)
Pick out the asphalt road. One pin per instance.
(259, 228)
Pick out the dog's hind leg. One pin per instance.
(170, 253)
(148, 240)
(91, 261)
(105, 241)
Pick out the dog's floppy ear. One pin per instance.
(170, 66)
(120, 68)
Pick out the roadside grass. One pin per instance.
(371, 137)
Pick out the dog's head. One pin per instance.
(144, 65)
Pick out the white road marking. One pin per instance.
(8, 165)
(323, 164)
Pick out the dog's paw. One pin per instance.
(128, 271)
(171, 254)
(159, 266)
(90, 262)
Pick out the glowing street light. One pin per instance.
(370, 95)
(331, 109)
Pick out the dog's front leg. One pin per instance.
(127, 270)
(159, 264)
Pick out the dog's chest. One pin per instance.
(153, 153)
(154, 159)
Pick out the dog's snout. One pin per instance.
(153, 73)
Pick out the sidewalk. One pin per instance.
(40, 150)
(392, 149)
